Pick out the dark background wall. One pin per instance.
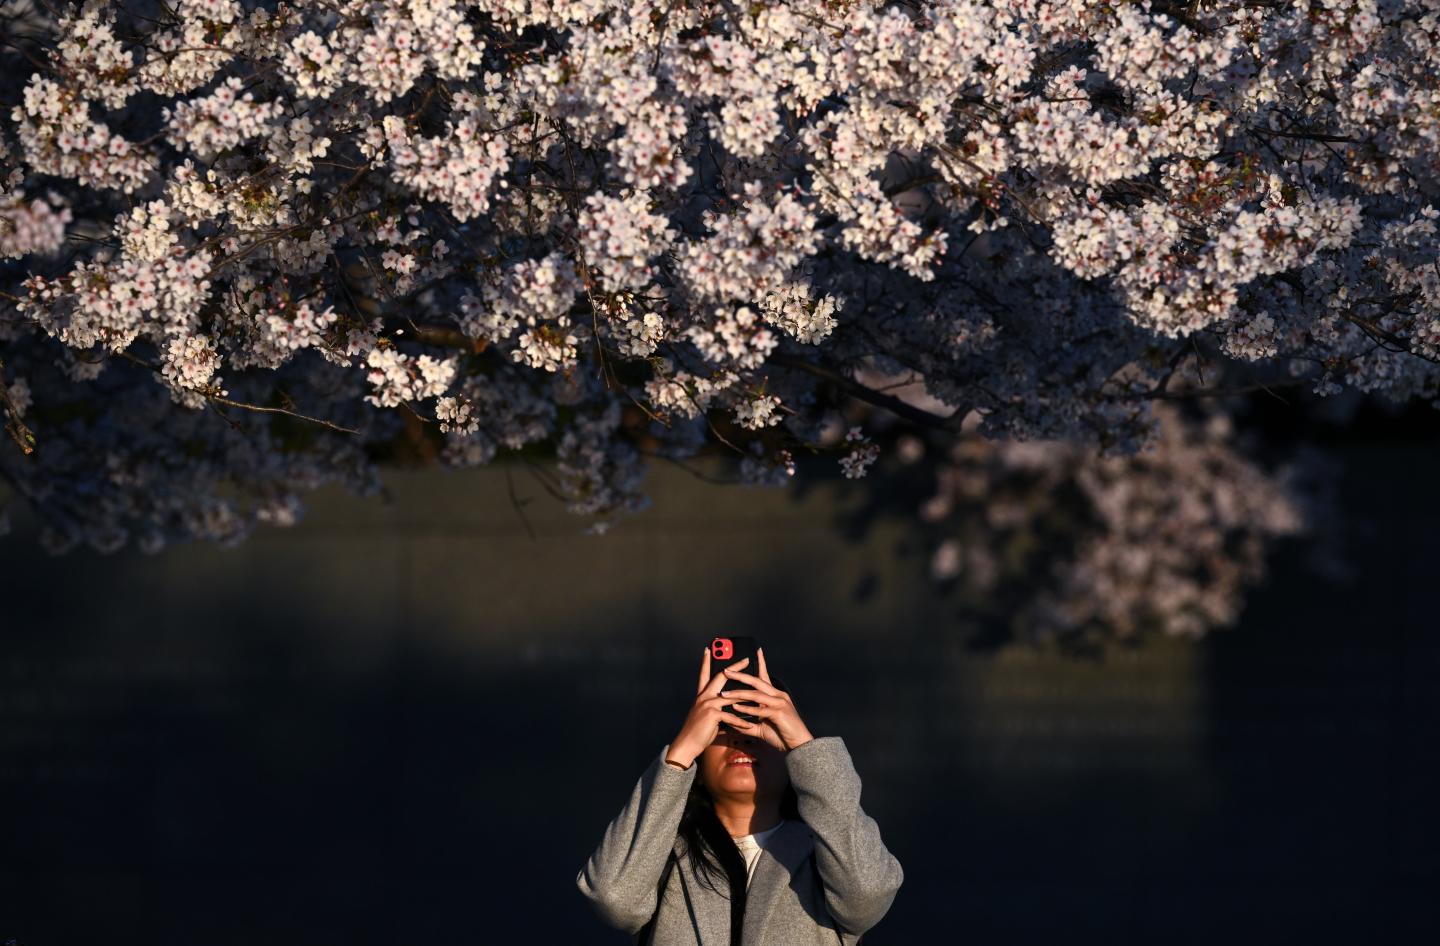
(411, 723)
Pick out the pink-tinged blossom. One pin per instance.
(803, 317)
(733, 337)
(741, 83)
(632, 332)
(684, 393)
(406, 37)
(220, 121)
(304, 327)
(456, 415)
(397, 377)
(459, 169)
(112, 303)
(620, 236)
(548, 346)
(313, 68)
(531, 293)
(203, 39)
(508, 410)
(759, 412)
(647, 153)
(189, 364)
(752, 249)
(727, 216)
(299, 145)
(101, 69)
(862, 453)
(59, 137)
(31, 225)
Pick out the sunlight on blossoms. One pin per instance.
(254, 247)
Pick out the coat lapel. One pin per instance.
(787, 851)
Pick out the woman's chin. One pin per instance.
(737, 775)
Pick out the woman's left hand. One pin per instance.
(780, 724)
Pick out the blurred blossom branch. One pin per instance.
(1046, 541)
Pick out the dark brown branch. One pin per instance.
(249, 407)
(895, 405)
(1215, 392)
(14, 426)
(1307, 135)
(278, 410)
(516, 503)
(1402, 346)
(447, 337)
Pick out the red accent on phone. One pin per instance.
(725, 651)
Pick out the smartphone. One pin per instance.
(725, 651)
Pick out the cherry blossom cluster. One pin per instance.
(404, 39)
(190, 363)
(758, 412)
(458, 168)
(751, 249)
(111, 303)
(689, 227)
(1166, 541)
(794, 309)
(30, 225)
(862, 453)
(205, 38)
(221, 120)
(505, 411)
(532, 297)
(734, 337)
(100, 67)
(303, 328)
(397, 377)
(619, 236)
(60, 139)
(685, 393)
(632, 331)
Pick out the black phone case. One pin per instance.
(725, 651)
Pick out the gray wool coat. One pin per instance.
(788, 903)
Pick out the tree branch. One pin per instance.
(249, 407)
(895, 405)
(14, 426)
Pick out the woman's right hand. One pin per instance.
(708, 711)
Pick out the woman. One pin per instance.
(770, 846)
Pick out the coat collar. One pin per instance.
(777, 862)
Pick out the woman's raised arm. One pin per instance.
(620, 878)
(860, 874)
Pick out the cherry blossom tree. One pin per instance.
(255, 247)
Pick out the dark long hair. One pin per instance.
(713, 853)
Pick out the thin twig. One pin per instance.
(249, 407)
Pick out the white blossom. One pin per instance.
(862, 453)
(603, 230)
(398, 377)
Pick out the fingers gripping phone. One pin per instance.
(725, 651)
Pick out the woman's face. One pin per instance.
(727, 776)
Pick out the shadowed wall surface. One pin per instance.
(410, 723)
